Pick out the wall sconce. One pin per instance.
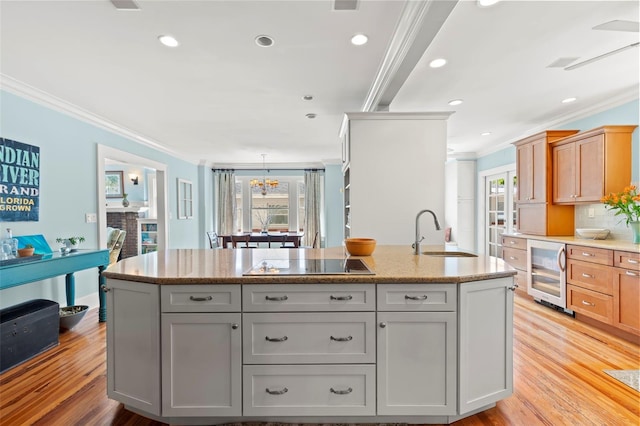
(134, 178)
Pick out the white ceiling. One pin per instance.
(219, 98)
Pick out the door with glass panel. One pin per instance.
(500, 214)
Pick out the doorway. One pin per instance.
(105, 154)
(497, 212)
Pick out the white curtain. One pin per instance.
(312, 208)
(226, 201)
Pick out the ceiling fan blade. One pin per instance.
(599, 57)
(619, 25)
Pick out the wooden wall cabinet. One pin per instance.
(591, 164)
(534, 171)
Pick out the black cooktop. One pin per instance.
(310, 267)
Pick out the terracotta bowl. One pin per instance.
(360, 246)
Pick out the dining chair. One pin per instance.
(241, 241)
(214, 241)
(279, 239)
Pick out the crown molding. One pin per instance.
(50, 101)
(616, 101)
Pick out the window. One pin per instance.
(270, 212)
(281, 209)
(185, 199)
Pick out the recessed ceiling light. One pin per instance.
(437, 63)
(307, 97)
(264, 41)
(168, 41)
(359, 39)
(310, 115)
(485, 134)
(568, 100)
(455, 102)
(487, 3)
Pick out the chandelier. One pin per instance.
(264, 183)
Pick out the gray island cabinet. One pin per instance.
(429, 341)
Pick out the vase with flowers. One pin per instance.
(627, 204)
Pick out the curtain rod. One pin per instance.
(315, 169)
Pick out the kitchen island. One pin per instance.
(195, 337)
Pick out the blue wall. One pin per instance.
(68, 185)
(624, 114)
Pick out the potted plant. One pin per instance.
(26, 251)
(71, 243)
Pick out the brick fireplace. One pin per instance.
(127, 221)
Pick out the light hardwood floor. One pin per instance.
(558, 378)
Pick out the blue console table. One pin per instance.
(56, 264)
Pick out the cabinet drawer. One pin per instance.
(514, 242)
(200, 298)
(593, 276)
(627, 260)
(590, 254)
(418, 297)
(590, 303)
(309, 390)
(521, 280)
(305, 338)
(308, 297)
(515, 257)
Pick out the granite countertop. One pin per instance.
(391, 264)
(624, 245)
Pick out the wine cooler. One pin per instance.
(546, 264)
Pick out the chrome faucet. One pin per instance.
(416, 245)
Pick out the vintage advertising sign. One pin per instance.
(19, 181)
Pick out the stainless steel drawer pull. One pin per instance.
(513, 287)
(276, 298)
(512, 242)
(587, 275)
(513, 258)
(277, 392)
(341, 392)
(633, 274)
(349, 297)
(584, 302)
(587, 254)
(276, 339)
(341, 339)
(200, 299)
(423, 297)
(635, 262)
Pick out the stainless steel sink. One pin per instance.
(449, 254)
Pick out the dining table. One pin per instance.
(264, 237)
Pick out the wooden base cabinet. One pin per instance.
(133, 344)
(201, 364)
(626, 292)
(361, 353)
(605, 285)
(485, 343)
(416, 363)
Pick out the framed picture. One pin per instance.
(113, 184)
(185, 199)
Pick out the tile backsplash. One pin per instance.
(602, 218)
